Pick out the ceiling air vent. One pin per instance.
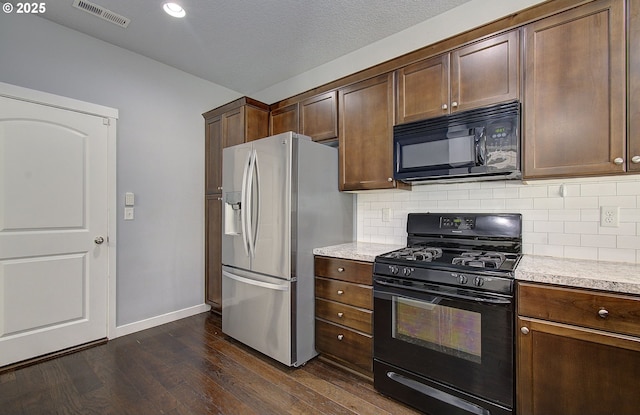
(101, 12)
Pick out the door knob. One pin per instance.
(524, 330)
(618, 161)
(99, 240)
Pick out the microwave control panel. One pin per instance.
(500, 133)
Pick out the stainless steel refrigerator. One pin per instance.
(281, 200)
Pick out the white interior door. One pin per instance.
(53, 210)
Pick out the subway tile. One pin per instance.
(544, 226)
(629, 242)
(617, 255)
(548, 250)
(628, 188)
(591, 202)
(564, 215)
(620, 201)
(581, 227)
(533, 191)
(548, 203)
(590, 215)
(581, 252)
(505, 193)
(480, 194)
(598, 241)
(447, 204)
(598, 189)
(535, 214)
(537, 238)
(630, 215)
(564, 239)
(469, 205)
(458, 194)
(623, 229)
(519, 204)
(493, 204)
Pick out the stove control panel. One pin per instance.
(457, 222)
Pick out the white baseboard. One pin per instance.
(158, 320)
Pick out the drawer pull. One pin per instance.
(340, 292)
(524, 330)
(340, 314)
(340, 337)
(340, 269)
(603, 313)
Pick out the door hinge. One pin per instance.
(106, 121)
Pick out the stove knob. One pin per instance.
(462, 279)
(393, 269)
(406, 272)
(479, 282)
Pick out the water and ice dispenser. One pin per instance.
(232, 212)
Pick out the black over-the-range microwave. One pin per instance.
(478, 144)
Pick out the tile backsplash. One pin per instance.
(561, 218)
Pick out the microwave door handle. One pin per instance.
(481, 147)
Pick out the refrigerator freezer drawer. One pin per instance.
(256, 310)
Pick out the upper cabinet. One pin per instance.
(316, 117)
(479, 74)
(283, 119)
(237, 122)
(574, 92)
(365, 134)
(319, 116)
(633, 154)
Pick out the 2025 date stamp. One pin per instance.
(24, 8)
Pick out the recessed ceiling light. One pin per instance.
(174, 9)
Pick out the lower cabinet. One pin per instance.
(344, 313)
(578, 351)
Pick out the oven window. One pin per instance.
(453, 331)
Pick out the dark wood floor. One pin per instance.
(185, 367)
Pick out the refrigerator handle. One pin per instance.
(279, 287)
(255, 226)
(244, 206)
(250, 201)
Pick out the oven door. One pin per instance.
(456, 337)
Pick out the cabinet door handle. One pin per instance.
(524, 330)
(340, 292)
(340, 314)
(635, 159)
(445, 106)
(340, 269)
(454, 104)
(340, 337)
(618, 161)
(603, 313)
(389, 179)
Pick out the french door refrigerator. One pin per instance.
(281, 200)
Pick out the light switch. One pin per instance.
(129, 199)
(128, 213)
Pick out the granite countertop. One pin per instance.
(358, 251)
(599, 275)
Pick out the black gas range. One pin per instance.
(444, 311)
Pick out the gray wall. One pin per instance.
(160, 152)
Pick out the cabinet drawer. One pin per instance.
(344, 269)
(345, 292)
(611, 312)
(352, 317)
(346, 344)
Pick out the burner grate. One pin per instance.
(480, 259)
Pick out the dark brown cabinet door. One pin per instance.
(570, 370)
(319, 116)
(365, 142)
(574, 106)
(233, 129)
(284, 119)
(423, 89)
(633, 156)
(477, 75)
(213, 251)
(485, 72)
(213, 155)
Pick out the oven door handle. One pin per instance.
(445, 294)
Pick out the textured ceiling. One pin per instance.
(249, 45)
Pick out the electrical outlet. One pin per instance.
(609, 216)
